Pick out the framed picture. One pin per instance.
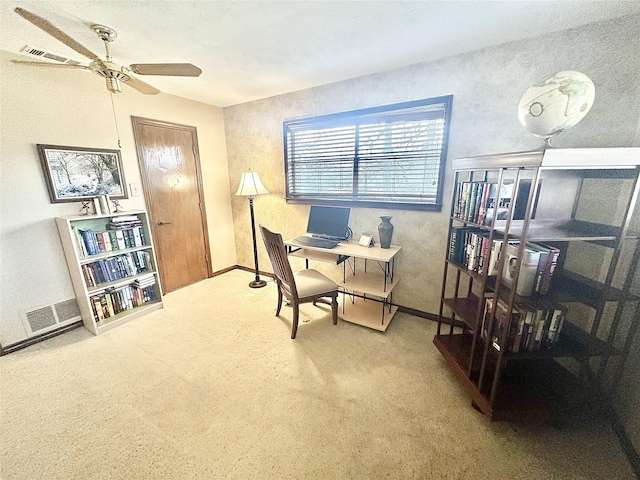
(75, 174)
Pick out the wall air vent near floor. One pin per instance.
(50, 317)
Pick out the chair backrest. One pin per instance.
(279, 261)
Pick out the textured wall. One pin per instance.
(487, 86)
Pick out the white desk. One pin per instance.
(367, 286)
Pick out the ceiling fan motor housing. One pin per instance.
(113, 73)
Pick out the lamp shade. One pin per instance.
(251, 185)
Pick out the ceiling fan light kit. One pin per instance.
(113, 73)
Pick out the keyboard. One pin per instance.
(307, 241)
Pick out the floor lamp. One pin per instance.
(250, 185)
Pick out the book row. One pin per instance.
(116, 268)
(529, 326)
(115, 238)
(474, 198)
(479, 201)
(470, 247)
(111, 302)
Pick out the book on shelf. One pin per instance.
(480, 201)
(486, 318)
(529, 326)
(546, 265)
(498, 204)
(476, 244)
(557, 317)
(117, 267)
(81, 248)
(110, 302)
(125, 218)
(549, 269)
(457, 244)
(528, 269)
(505, 327)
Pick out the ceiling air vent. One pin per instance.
(38, 52)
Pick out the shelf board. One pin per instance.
(317, 255)
(472, 273)
(371, 283)
(561, 231)
(557, 159)
(465, 308)
(118, 283)
(535, 388)
(574, 342)
(366, 312)
(112, 253)
(568, 286)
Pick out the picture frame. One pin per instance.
(366, 240)
(75, 174)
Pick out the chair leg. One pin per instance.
(279, 306)
(334, 309)
(296, 311)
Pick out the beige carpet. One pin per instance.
(213, 387)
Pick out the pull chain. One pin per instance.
(115, 118)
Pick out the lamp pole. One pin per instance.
(257, 283)
(250, 186)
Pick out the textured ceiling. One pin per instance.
(250, 50)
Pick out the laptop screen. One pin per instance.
(328, 221)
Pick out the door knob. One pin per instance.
(164, 223)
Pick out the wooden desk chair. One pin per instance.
(301, 287)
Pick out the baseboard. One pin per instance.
(250, 270)
(224, 270)
(38, 338)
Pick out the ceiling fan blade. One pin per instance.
(141, 86)
(56, 33)
(169, 69)
(51, 64)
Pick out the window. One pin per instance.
(391, 156)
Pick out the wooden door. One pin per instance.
(172, 185)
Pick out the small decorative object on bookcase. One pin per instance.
(86, 208)
(117, 208)
(385, 232)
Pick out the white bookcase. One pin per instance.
(116, 278)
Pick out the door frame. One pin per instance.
(138, 121)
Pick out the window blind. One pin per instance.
(392, 155)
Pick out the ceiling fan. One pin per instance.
(114, 74)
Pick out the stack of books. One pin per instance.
(145, 281)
